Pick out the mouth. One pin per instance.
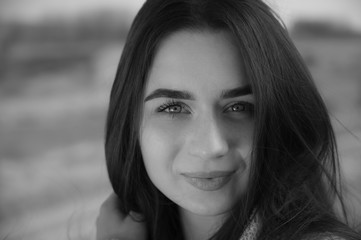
(208, 181)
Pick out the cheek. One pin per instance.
(241, 140)
(240, 136)
(160, 143)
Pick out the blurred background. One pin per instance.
(57, 63)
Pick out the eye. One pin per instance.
(240, 107)
(173, 107)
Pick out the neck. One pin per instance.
(199, 227)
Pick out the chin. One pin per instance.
(208, 208)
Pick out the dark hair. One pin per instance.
(294, 172)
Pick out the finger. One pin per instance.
(138, 217)
(110, 202)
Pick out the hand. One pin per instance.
(111, 224)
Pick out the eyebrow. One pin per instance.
(168, 93)
(176, 94)
(236, 92)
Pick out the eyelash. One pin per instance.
(172, 103)
(246, 107)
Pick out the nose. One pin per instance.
(208, 139)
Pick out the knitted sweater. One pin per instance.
(250, 233)
(253, 227)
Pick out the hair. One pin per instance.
(294, 176)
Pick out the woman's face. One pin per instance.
(197, 124)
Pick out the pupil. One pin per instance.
(174, 109)
(237, 108)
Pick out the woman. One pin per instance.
(215, 130)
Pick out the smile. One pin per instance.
(208, 181)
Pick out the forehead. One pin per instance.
(206, 60)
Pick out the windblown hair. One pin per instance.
(294, 178)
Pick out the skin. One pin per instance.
(200, 132)
(112, 225)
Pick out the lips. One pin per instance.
(208, 181)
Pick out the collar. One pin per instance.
(251, 231)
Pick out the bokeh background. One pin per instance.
(57, 63)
